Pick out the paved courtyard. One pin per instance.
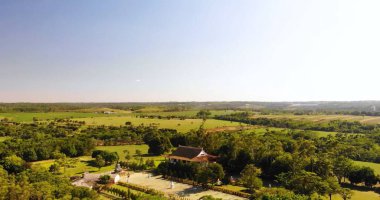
(184, 190)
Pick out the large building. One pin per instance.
(191, 154)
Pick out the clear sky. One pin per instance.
(201, 50)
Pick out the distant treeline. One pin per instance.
(60, 107)
(181, 117)
(327, 112)
(353, 108)
(331, 126)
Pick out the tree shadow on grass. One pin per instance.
(189, 191)
(361, 188)
(146, 155)
(90, 163)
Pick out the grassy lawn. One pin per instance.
(132, 149)
(82, 166)
(375, 166)
(358, 195)
(180, 125)
(84, 161)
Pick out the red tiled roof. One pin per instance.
(187, 153)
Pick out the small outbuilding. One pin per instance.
(89, 180)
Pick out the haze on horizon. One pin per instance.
(209, 50)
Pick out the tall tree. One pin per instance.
(341, 167)
(250, 179)
(100, 162)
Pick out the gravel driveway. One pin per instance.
(184, 190)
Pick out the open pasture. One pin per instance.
(187, 113)
(180, 125)
(324, 118)
(260, 130)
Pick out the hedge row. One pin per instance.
(141, 189)
(119, 192)
(227, 191)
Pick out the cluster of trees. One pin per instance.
(34, 142)
(129, 134)
(169, 117)
(249, 177)
(296, 159)
(37, 183)
(202, 114)
(158, 144)
(43, 149)
(139, 165)
(364, 175)
(110, 135)
(198, 172)
(104, 158)
(26, 131)
(331, 126)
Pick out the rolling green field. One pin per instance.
(84, 161)
(180, 125)
(262, 130)
(188, 113)
(325, 118)
(375, 166)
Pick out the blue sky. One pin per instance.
(161, 50)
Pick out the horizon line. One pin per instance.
(95, 102)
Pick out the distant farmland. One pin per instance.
(325, 118)
(180, 125)
(187, 113)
